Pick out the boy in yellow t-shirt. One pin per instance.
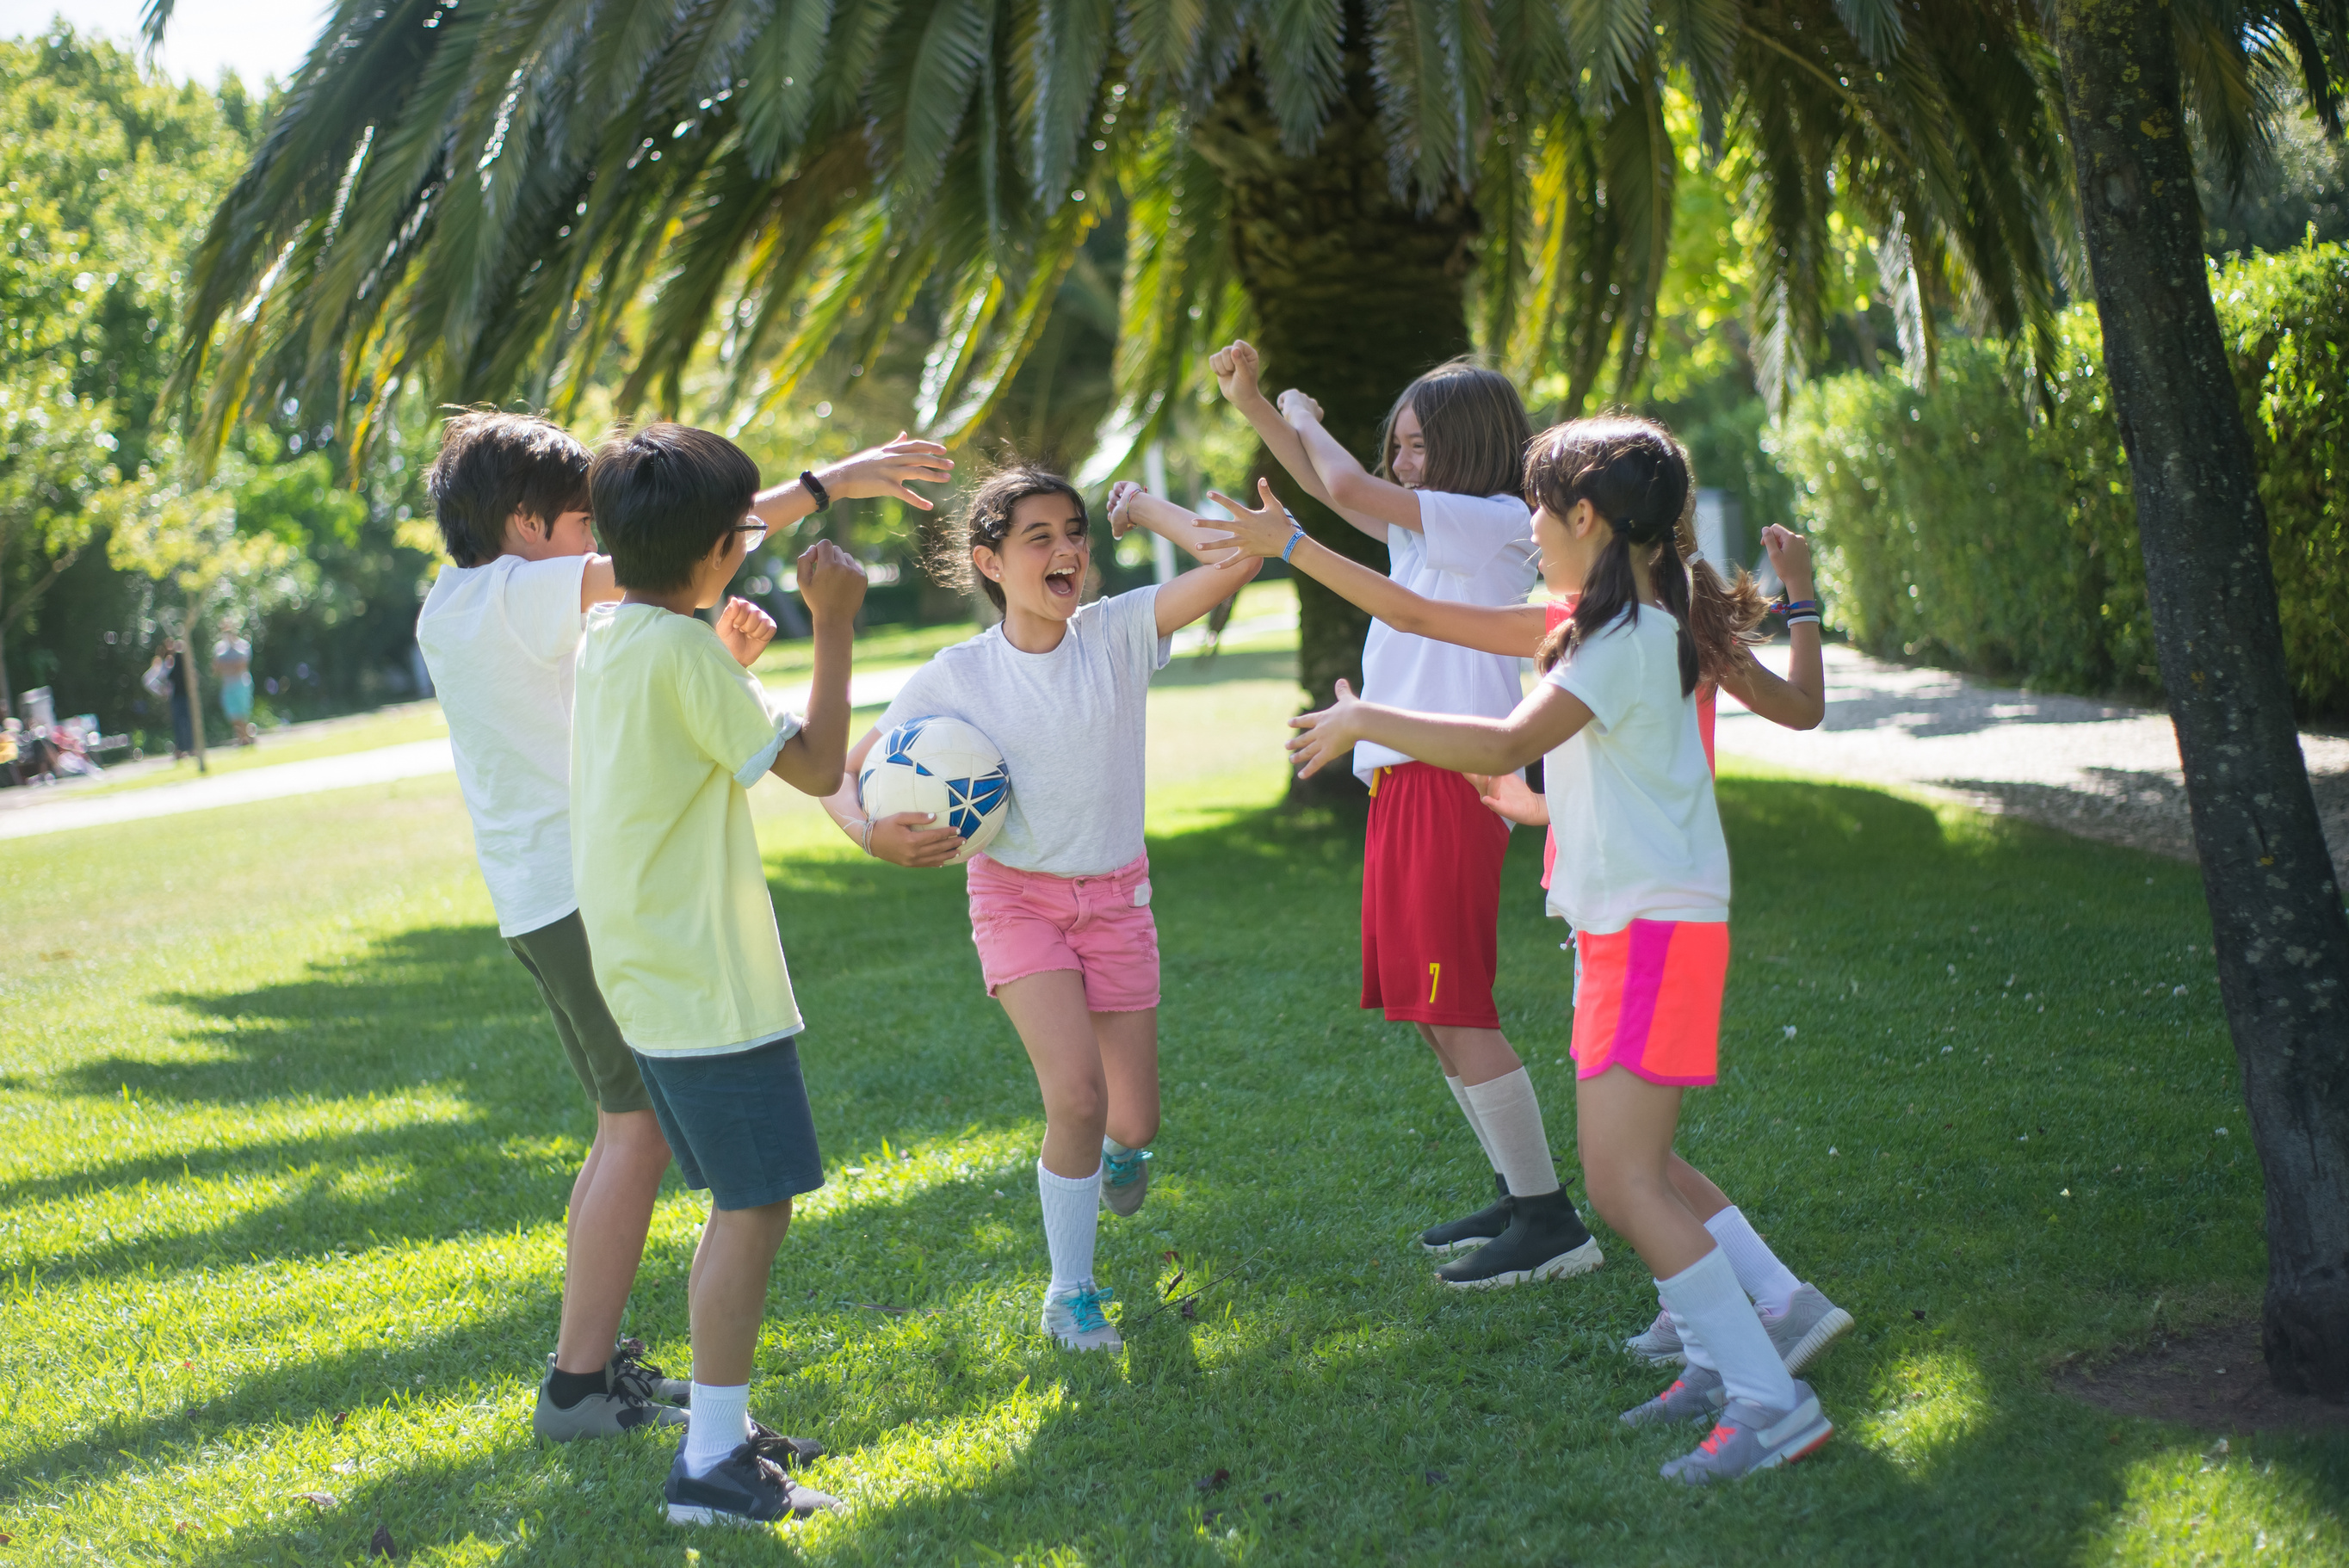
(668, 731)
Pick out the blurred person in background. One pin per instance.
(233, 668)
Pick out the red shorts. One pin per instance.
(1431, 899)
(1025, 923)
(1647, 999)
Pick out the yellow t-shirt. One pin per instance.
(667, 733)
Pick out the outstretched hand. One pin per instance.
(886, 470)
(907, 839)
(1236, 369)
(1253, 531)
(1507, 795)
(1324, 736)
(746, 630)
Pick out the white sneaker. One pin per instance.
(1074, 1317)
(1660, 1345)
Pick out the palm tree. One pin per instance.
(535, 198)
(2282, 936)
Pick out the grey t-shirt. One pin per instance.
(1070, 725)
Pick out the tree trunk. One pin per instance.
(1355, 293)
(2281, 935)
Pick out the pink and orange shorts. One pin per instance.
(1025, 923)
(1647, 999)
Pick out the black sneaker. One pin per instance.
(1546, 1240)
(632, 1374)
(792, 1453)
(1460, 1235)
(750, 1486)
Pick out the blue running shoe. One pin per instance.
(1074, 1317)
(1125, 1178)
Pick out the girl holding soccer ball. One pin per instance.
(1060, 901)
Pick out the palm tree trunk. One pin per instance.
(2281, 935)
(1355, 292)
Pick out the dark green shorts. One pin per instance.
(556, 956)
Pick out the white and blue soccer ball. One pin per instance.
(943, 766)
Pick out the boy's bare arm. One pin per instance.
(833, 585)
(597, 585)
(882, 470)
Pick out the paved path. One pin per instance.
(2101, 769)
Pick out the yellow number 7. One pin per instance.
(1434, 975)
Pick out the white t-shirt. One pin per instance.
(1471, 549)
(1630, 798)
(500, 641)
(1070, 725)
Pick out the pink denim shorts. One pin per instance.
(1026, 922)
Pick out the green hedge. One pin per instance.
(1959, 527)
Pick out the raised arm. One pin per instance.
(1266, 530)
(1799, 700)
(1353, 490)
(880, 470)
(1236, 369)
(833, 585)
(1202, 588)
(1545, 720)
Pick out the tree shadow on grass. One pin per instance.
(1305, 1143)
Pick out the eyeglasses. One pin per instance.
(758, 533)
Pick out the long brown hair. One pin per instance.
(1635, 476)
(1474, 425)
(1723, 615)
(986, 519)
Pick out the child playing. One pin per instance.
(1642, 876)
(668, 732)
(1060, 902)
(1448, 503)
(1801, 1320)
(500, 634)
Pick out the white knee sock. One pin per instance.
(1071, 1216)
(1770, 1283)
(719, 1423)
(1706, 1298)
(1510, 1116)
(1460, 1093)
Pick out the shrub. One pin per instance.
(1964, 527)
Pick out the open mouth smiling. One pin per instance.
(1061, 582)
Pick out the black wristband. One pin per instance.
(815, 487)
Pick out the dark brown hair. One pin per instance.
(1474, 425)
(1635, 476)
(664, 496)
(1723, 615)
(492, 464)
(986, 521)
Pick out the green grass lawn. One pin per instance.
(289, 1138)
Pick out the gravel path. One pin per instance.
(2100, 770)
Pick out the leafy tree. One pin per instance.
(519, 197)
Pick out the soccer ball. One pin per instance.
(940, 765)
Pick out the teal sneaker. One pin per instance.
(1125, 1178)
(1075, 1318)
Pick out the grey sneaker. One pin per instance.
(632, 1374)
(1125, 1178)
(1808, 1325)
(1075, 1318)
(1696, 1394)
(1748, 1438)
(1660, 1345)
(606, 1415)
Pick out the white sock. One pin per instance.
(719, 1423)
(1770, 1283)
(1071, 1216)
(1460, 1093)
(1510, 1116)
(1719, 1318)
(1698, 1356)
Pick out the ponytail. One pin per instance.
(1636, 477)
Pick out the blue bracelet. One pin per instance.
(1293, 546)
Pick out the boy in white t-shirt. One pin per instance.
(500, 632)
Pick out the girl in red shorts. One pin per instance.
(1059, 901)
(1447, 503)
(1642, 876)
